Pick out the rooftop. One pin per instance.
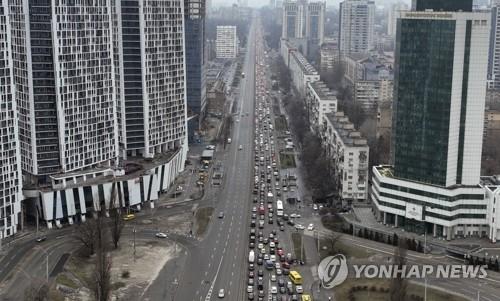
(323, 92)
(307, 68)
(345, 129)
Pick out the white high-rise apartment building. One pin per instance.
(304, 20)
(151, 76)
(356, 26)
(10, 161)
(227, 42)
(494, 55)
(392, 17)
(63, 71)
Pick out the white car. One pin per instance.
(299, 289)
(221, 293)
(210, 147)
(274, 290)
(260, 246)
(249, 289)
(273, 277)
(161, 235)
(272, 258)
(299, 227)
(310, 227)
(272, 244)
(240, 147)
(315, 207)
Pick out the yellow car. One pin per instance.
(128, 217)
(306, 298)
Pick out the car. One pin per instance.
(279, 272)
(240, 147)
(129, 217)
(251, 281)
(282, 228)
(251, 267)
(221, 214)
(281, 282)
(282, 291)
(251, 296)
(272, 258)
(210, 147)
(250, 289)
(251, 245)
(266, 257)
(272, 244)
(161, 235)
(260, 261)
(41, 238)
(315, 207)
(260, 273)
(277, 265)
(299, 227)
(260, 246)
(273, 277)
(251, 274)
(261, 294)
(310, 227)
(221, 293)
(274, 290)
(299, 289)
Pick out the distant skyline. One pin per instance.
(259, 3)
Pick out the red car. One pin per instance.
(280, 252)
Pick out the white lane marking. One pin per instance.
(209, 294)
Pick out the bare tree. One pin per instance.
(102, 273)
(399, 283)
(86, 233)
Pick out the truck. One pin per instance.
(251, 256)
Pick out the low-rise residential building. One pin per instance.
(329, 56)
(349, 153)
(301, 70)
(371, 79)
(320, 100)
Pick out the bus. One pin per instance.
(295, 277)
(279, 208)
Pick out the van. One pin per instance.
(251, 257)
(295, 277)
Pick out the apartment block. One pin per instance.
(227, 42)
(10, 160)
(357, 18)
(320, 100)
(349, 152)
(301, 70)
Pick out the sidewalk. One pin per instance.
(363, 217)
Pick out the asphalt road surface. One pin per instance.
(216, 263)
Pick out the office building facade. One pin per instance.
(439, 100)
(356, 26)
(494, 54)
(194, 21)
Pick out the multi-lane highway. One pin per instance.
(217, 262)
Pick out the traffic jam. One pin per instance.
(271, 273)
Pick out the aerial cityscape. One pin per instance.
(277, 150)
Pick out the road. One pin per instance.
(215, 263)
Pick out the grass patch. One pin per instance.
(287, 161)
(117, 285)
(332, 222)
(203, 216)
(66, 281)
(297, 242)
(377, 290)
(280, 123)
(81, 269)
